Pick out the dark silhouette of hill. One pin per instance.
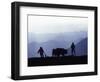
(82, 47)
(66, 60)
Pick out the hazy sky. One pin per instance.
(52, 24)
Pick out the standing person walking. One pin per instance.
(41, 51)
(73, 52)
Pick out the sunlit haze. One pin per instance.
(50, 24)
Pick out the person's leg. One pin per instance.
(72, 52)
(41, 55)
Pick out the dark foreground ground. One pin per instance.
(67, 60)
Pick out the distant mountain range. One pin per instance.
(51, 41)
(68, 36)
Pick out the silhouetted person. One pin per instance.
(41, 51)
(73, 48)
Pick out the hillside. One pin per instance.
(68, 60)
(49, 42)
(81, 48)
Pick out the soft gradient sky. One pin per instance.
(56, 24)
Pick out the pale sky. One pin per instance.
(51, 24)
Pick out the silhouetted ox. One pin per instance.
(59, 52)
